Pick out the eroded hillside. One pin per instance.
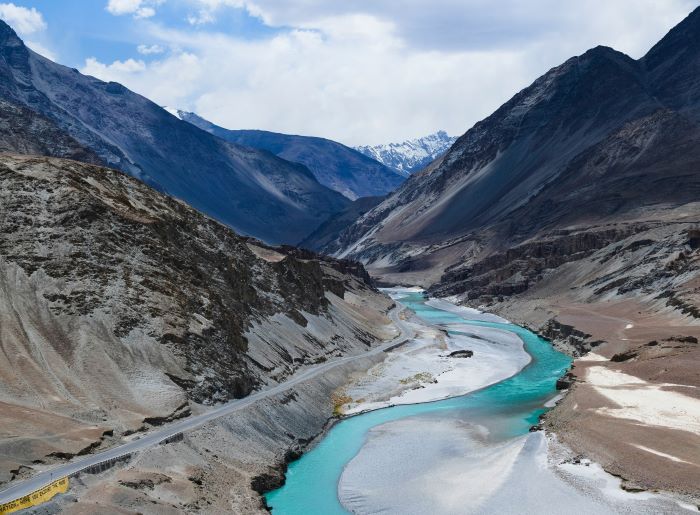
(123, 308)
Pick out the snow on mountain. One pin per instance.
(175, 112)
(411, 155)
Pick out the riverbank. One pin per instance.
(223, 466)
(434, 365)
(432, 456)
(634, 407)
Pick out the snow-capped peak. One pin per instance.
(411, 155)
(175, 112)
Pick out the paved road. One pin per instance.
(42, 479)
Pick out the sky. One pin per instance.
(357, 71)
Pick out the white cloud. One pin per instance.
(137, 8)
(202, 17)
(112, 72)
(41, 49)
(175, 77)
(355, 85)
(478, 24)
(144, 12)
(119, 7)
(208, 9)
(366, 72)
(24, 21)
(150, 49)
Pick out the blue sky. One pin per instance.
(358, 71)
(78, 29)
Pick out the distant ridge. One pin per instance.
(411, 155)
(334, 165)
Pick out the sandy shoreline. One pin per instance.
(458, 469)
(588, 482)
(423, 371)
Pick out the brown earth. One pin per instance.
(123, 309)
(637, 335)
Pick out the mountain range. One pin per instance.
(141, 278)
(334, 165)
(600, 139)
(252, 191)
(412, 155)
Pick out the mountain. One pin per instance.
(574, 209)
(594, 154)
(329, 229)
(412, 155)
(565, 152)
(122, 308)
(334, 165)
(23, 131)
(254, 192)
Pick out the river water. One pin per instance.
(507, 410)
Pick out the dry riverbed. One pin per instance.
(433, 366)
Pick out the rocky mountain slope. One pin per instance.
(412, 155)
(23, 131)
(329, 229)
(334, 165)
(593, 140)
(253, 192)
(122, 308)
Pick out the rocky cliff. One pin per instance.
(121, 308)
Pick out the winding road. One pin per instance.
(27, 486)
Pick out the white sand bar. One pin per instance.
(459, 470)
(464, 311)
(422, 371)
(648, 403)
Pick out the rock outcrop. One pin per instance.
(122, 308)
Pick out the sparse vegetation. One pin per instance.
(421, 377)
(339, 400)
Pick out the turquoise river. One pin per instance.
(515, 403)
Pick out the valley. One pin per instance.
(199, 317)
(572, 210)
(468, 453)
